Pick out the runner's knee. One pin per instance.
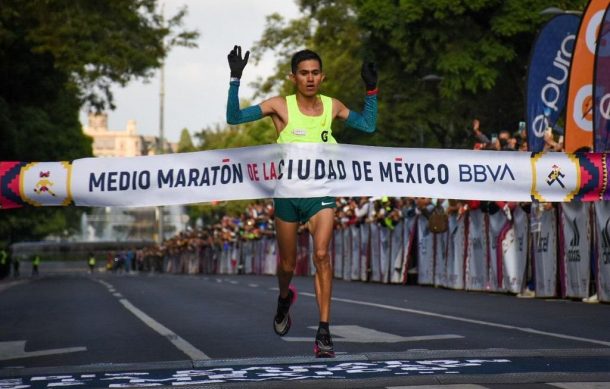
(321, 257)
(287, 266)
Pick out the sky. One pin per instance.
(197, 79)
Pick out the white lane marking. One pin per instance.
(466, 320)
(182, 345)
(357, 334)
(253, 285)
(117, 295)
(16, 349)
(107, 285)
(9, 284)
(581, 385)
(458, 386)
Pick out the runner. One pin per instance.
(304, 117)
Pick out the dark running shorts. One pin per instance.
(301, 209)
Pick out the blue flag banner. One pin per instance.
(601, 87)
(547, 79)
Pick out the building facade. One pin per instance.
(120, 143)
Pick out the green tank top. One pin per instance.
(308, 129)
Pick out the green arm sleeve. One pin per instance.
(236, 115)
(367, 120)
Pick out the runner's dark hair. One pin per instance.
(301, 56)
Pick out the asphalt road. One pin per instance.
(96, 325)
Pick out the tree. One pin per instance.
(478, 51)
(260, 132)
(185, 144)
(55, 57)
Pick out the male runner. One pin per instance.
(304, 117)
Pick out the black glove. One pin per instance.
(369, 75)
(236, 63)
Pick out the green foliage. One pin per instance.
(478, 49)
(55, 57)
(185, 144)
(260, 132)
(96, 43)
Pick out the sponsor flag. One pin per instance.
(547, 78)
(579, 114)
(601, 87)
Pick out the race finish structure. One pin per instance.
(305, 170)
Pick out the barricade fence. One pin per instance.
(561, 250)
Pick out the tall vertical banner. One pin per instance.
(575, 263)
(456, 263)
(545, 258)
(375, 253)
(579, 114)
(547, 78)
(365, 256)
(355, 232)
(425, 250)
(396, 252)
(338, 253)
(476, 254)
(601, 87)
(602, 242)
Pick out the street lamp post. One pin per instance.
(161, 148)
(428, 78)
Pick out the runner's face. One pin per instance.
(308, 77)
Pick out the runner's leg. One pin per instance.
(287, 237)
(287, 243)
(321, 228)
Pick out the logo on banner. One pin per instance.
(583, 108)
(604, 105)
(574, 251)
(46, 183)
(556, 177)
(592, 30)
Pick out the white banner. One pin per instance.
(364, 251)
(425, 251)
(384, 254)
(396, 252)
(355, 232)
(495, 236)
(294, 170)
(576, 261)
(409, 234)
(337, 253)
(545, 253)
(458, 229)
(602, 230)
(516, 251)
(476, 255)
(347, 254)
(375, 252)
(440, 254)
